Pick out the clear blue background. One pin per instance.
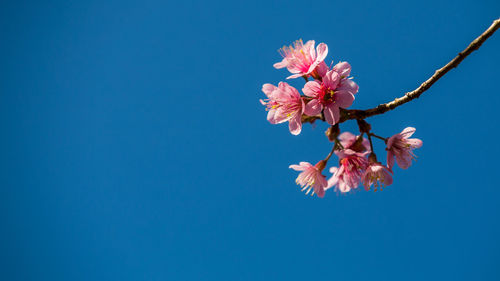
(134, 147)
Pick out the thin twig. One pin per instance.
(378, 137)
(382, 108)
(361, 114)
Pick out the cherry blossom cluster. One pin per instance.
(328, 91)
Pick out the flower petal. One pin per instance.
(343, 68)
(322, 51)
(343, 187)
(407, 132)
(313, 107)
(404, 160)
(322, 69)
(320, 192)
(294, 76)
(311, 89)
(391, 140)
(295, 125)
(332, 181)
(390, 159)
(331, 79)
(268, 89)
(281, 64)
(414, 143)
(309, 48)
(331, 113)
(270, 116)
(298, 167)
(387, 178)
(344, 99)
(349, 86)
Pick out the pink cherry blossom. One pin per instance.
(326, 95)
(302, 59)
(345, 84)
(348, 141)
(378, 175)
(349, 174)
(284, 104)
(311, 177)
(400, 147)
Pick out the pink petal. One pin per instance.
(268, 89)
(295, 125)
(294, 76)
(343, 187)
(311, 89)
(279, 116)
(404, 160)
(322, 181)
(414, 143)
(280, 64)
(407, 132)
(270, 116)
(313, 107)
(291, 91)
(320, 192)
(322, 69)
(349, 86)
(343, 68)
(297, 167)
(309, 48)
(344, 99)
(387, 178)
(331, 113)
(347, 138)
(334, 170)
(322, 51)
(331, 79)
(390, 159)
(332, 181)
(366, 181)
(391, 140)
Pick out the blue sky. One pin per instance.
(134, 146)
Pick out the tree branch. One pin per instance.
(382, 108)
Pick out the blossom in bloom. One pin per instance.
(326, 95)
(302, 59)
(350, 141)
(378, 175)
(284, 104)
(400, 147)
(352, 166)
(345, 84)
(311, 177)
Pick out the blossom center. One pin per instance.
(326, 95)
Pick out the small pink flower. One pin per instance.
(302, 59)
(349, 141)
(326, 95)
(311, 177)
(284, 104)
(348, 176)
(378, 175)
(400, 147)
(345, 84)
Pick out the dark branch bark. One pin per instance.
(382, 108)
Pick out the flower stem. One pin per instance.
(378, 137)
(335, 145)
(370, 140)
